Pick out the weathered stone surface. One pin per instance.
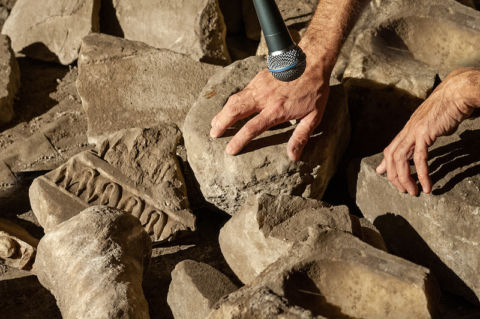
(3, 15)
(125, 84)
(263, 166)
(441, 226)
(17, 246)
(93, 264)
(195, 288)
(195, 28)
(9, 79)
(135, 170)
(51, 30)
(267, 227)
(406, 43)
(336, 275)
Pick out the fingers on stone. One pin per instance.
(301, 134)
(420, 157)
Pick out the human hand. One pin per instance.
(275, 102)
(449, 104)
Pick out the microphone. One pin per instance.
(286, 61)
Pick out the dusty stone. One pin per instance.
(194, 28)
(404, 43)
(101, 254)
(17, 246)
(441, 226)
(125, 84)
(52, 30)
(3, 16)
(135, 170)
(263, 166)
(9, 79)
(336, 275)
(195, 288)
(267, 227)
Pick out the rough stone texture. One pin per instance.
(263, 166)
(195, 28)
(267, 227)
(9, 79)
(336, 275)
(17, 246)
(3, 15)
(125, 84)
(93, 264)
(135, 170)
(442, 226)
(405, 43)
(195, 288)
(51, 30)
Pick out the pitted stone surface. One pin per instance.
(51, 30)
(195, 28)
(125, 84)
(9, 79)
(134, 170)
(438, 230)
(263, 166)
(93, 264)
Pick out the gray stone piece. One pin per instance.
(438, 230)
(125, 84)
(135, 170)
(17, 246)
(195, 288)
(195, 28)
(267, 227)
(93, 264)
(9, 79)
(263, 166)
(336, 275)
(51, 30)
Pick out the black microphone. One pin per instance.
(286, 61)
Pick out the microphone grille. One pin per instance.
(288, 65)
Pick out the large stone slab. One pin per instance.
(336, 275)
(442, 226)
(195, 288)
(195, 28)
(17, 246)
(267, 227)
(125, 84)
(134, 170)
(51, 30)
(9, 79)
(93, 264)
(263, 166)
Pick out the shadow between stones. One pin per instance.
(109, 23)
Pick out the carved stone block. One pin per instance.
(134, 170)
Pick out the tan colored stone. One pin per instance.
(125, 84)
(195, 28)
(93, 264)
(17, 246)
(9, 80)
(51, 30)
(134, 170)
(195, 288)
(442, 226)
(263, 165)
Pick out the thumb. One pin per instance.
(301, 134)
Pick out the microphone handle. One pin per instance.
(274, 29)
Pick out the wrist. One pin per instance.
(470, 87)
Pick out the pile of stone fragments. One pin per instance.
(116, 203)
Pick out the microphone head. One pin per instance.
(287, 65)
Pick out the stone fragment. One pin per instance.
(17, 246)
(51, 30)
(195, 288)
(3, 15)
(195, 28)
(9, 79)
(403, 43)
(336, 275)
(135, 170)
(267, 227)
(263, 166)
(125, 84)
(441, 226)
(93, 264)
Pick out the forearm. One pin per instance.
(327, 31)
